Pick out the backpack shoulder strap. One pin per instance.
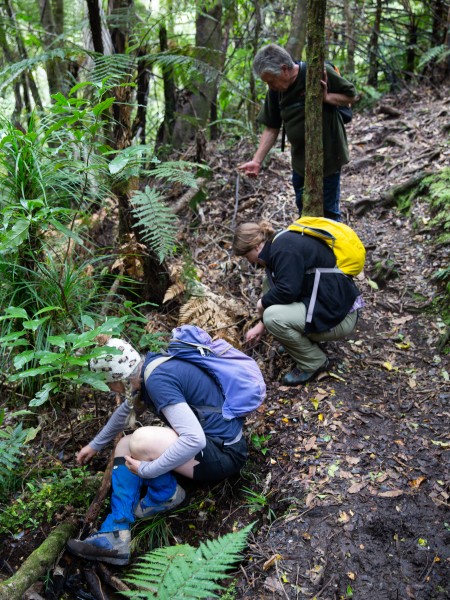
(153, 365)
(302, 67)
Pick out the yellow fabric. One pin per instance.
(342, 239)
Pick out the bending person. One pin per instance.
(284, 307)
(148, 459)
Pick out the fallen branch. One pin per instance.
(97, 503)
(110, 579)
(178, 206)
(38, 563)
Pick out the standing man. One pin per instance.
(285, 103)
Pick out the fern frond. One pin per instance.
(437, 53)
(177, 171)
(186, 572)
(14, 70)
(176, 289)
(156, 220)
(114, 68)
(211, 312)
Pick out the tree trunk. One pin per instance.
(164, 136)
(253, 108)
(349, 19)
(52, 21)
(372, 78)
(155, 278)
(440, 35)
(297, 34)
(208, 39)
(411, 48)
(313, 195)
(28, 81)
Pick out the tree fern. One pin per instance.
(182, 571)
(156, 220)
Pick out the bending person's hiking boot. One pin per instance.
(112, 547)
(148, 507)
(297, 377)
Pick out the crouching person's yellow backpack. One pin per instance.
(347, 247)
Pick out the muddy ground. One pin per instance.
(350, 474)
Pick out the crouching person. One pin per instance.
(143, 478)
(291, 309)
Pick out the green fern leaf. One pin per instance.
(179, 171)
(437, 53)
(183, 572)
(156, 220)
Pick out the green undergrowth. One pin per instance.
(42, 500)
(435, 191)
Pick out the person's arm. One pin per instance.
(116, 424)
(191, 440)
(266, 142)
(337, 91)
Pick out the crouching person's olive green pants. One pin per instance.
(286, 322)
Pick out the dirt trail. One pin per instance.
(357, 468)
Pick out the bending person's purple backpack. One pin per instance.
(237, 374)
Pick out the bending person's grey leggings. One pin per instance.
(286, 322)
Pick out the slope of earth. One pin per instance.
(348, 477)
(354, 491)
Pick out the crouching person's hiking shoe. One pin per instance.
(297, 377)
(110, 547)
(148, 508)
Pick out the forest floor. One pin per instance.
(349, 475)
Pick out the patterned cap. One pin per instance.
(116, 366)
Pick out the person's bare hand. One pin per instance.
(254, 335)
(250, 168)
(132, 464)
(85, 455)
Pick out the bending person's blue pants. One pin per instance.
(331, 194)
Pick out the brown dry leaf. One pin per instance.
(416, 483)
(357, 487)
(390, 494)
(311, 443)
(352, 460)
(271, 561)
(273, 585)
(309, 499)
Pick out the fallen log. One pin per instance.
(389, 197)
(38, 563)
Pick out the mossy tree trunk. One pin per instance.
(155, 279)
(313, 196)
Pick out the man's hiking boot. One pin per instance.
(148, 508)
(111, 547)
(297, 377)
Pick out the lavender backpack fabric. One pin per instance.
(237, 374)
